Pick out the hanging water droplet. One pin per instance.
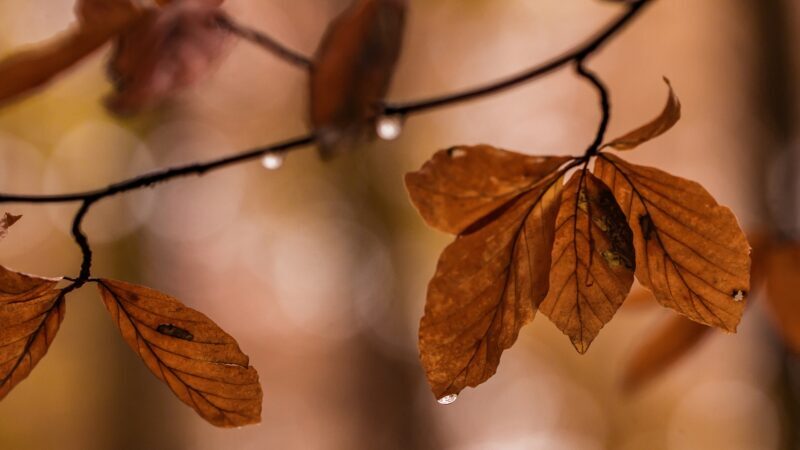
(389, 128)
(448, 399)
(272, 161)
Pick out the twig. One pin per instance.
(605, 107)
(577, 54)
(263, 40)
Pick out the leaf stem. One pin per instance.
(605, 107)
(266, 42)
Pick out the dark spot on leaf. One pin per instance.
(172, 330)
(611, 220)
(646, 224)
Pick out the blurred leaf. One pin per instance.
(490, 280)
(592, 260)
(691, 252)
(6, 222)
(660, 349)
(783, 290)
(459, 186)
(660, 125)
(166, 50)
(201, 363)
(31, 311)
(352, 70)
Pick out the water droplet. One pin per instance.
(448, 399)
(272, 161)
(389, 128)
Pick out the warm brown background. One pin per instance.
(320, 269)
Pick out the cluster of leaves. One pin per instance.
(527, 241)
(156, 50)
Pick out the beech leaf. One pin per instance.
(658, 126)
(6, 222)
(31, 311)
(592, 260)
(461, 185)
(199, 362)
(783, 286)
(660, 349)
(352, 70)
(691, 252)
(166, 50)
(487, 285)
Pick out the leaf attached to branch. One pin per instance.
(352, 70)
(690, 251)
(490, 280)
(592, 261)
(31, 311)
(660, 125)
(199, 362)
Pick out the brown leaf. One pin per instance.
(783, 291)
(660, 125)
(592, 261)
(6, 222)
(487, 285)
(166, 50)
(201, 363)
(31, 311)
(461, 185)
(691, 252)
(670, 342)
(352, 70)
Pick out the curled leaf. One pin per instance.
(660, 349)
(31, 311)
(490, 280)
(660, 125)
(166, 50)
(199, 362)
(6, 222)
(352, 70)
(690, 251)
(592, 261)
(461, 185)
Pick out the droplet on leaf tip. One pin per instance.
(447, 399)
(389, 128)
(272, 161)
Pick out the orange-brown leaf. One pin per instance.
(353, 68)
(691, 251)
(487, 285)
(658, 126)
(6, 222)
(592, 261)
(31, 311)
(201, 363)
(461, 185)
(783, 291)
(662, 348)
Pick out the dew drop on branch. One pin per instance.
(272, 161)
(389, 128)
(448, 399)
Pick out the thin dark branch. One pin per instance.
(161, 176)
(263, 40)
(83, 243)
(578, 53)
(605, 107)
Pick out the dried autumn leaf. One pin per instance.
(660, 125)
(691, 251)
(353, 68)
(461, 185)
(592, 261)
(31, 311)
(487, 285)
(166, 50)
(199, 362)
(6, 222)
(783, 289)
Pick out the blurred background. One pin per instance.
(320, 269)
